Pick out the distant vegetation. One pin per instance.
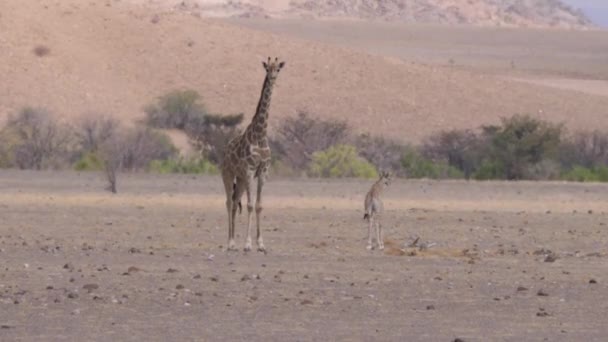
(519, 147)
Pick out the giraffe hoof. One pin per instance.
(247, 249)
(369, 247)
(381, 247)
(262, 249)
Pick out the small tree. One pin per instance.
(210, 134)
(519, 143)
(460, 149)
(300, 137)
(175, 110)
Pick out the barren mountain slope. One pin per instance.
(116, 58)
(522, 13)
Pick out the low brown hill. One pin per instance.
(115, 58)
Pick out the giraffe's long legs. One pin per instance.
(258, 210)
(380, 237)
(369, 231)
(249, 188)
(229, 188)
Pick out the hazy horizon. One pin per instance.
(596, 10)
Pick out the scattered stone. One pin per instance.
(198, 276)
(551, 258)
(306, 302)
(133, 269)
(592, 281)
(172, 270)
(68, 266)
(458, 340)
(542, 313)
(179, 287)
(542, 293)
(214, 278)
(246, 277)
(49, 287)
(134, 250)
(430, 307)
(522, 288)
(90, 287)
(72, 295)
(4, 326)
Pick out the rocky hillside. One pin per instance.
(519, 13)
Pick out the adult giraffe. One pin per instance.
(247, 157)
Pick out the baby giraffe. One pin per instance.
(374, 208)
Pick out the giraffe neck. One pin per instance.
(259, 123)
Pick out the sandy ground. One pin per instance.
(508, 262)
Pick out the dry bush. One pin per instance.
(210, 134)
(586, 148)
(133, 150)
(94, 130)
(298, 138)
(384, 154)
(34, 140)
(460, 149)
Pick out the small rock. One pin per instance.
(458, 340)
(430, 307)
(592, 281)
(198, 276)
(542, 293)
(4, 326)
(133, 269)
(90, 287)
(246, 277)
(49, 287)
(551, 258)
(306, 302)
(172, 270)
(521, 288)
(213, 278)
(179, 287)
(72, 295)
(134, 250)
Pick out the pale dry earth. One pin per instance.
(114, 58)
(507, 262)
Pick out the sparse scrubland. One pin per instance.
(521, 147)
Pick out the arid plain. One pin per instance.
(494, 261)
(504, 262)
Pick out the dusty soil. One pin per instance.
(506, 262)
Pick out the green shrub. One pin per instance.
(489, 170)
(175, 110)
(196, 165)
(340, 161)
(417, 166)
(583, 174)
(89, 161)
(522, 141)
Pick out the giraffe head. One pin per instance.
(273, 68)
(386, 177)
